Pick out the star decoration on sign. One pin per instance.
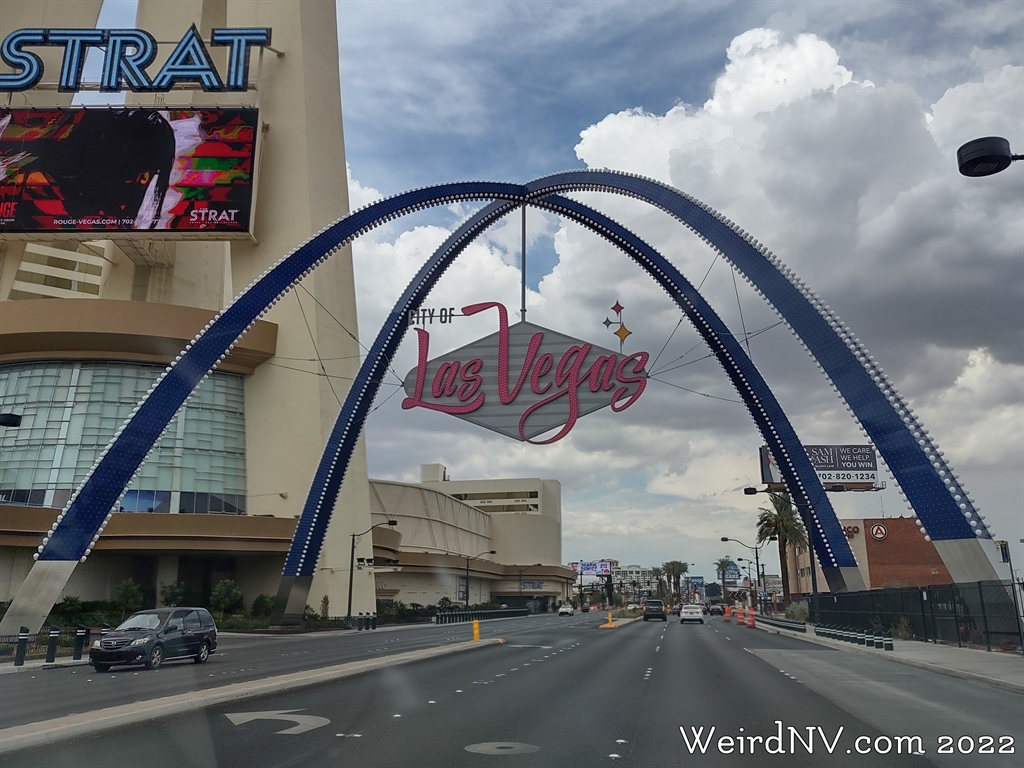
(622, 331)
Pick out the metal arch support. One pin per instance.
(934, 493)
(831, 546)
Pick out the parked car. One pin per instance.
(565, 609)
(152, 637)
(654, 609)
(691, 613)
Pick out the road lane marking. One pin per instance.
(303, 723)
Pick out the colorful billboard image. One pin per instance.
(170, 172)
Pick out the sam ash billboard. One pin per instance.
(171, 171)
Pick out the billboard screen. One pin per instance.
(593, 568)
(168, 173)
(852, 466)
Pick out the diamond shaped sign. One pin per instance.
(524, 380)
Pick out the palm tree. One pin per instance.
(782, 522)
(721, 566)
(674, 570)
(658, 574)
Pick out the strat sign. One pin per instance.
(128, 52)
(524, 380)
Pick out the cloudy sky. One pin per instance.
(828, 130)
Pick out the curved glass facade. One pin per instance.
(71, 409)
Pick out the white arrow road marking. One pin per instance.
(303, 723)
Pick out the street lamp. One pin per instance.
(750, 580)
(352, 566)
(810, 545)
(757, 558)
(468, 561)
(984, 157)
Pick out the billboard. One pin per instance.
(524, 381)
(593, 568)
(854, 467)
(166, 173)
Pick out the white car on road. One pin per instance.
(691, 613)
(565, 610)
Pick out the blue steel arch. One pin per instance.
(934, 492)
(830, 543)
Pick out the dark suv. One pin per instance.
(654, 609)
(153, 637)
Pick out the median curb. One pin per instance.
(62, 728)
(1006, 685)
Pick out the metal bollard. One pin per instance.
(374, 621)
(888, 641)
(81, 640)
(51, 645)
(879, 642)
(19, 653)
(360, 621)
(476, 631)
(861, 637)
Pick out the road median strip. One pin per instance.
(70, 726)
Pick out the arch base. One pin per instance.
(37, 595)
(290, 604)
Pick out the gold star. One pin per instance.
(623, 332)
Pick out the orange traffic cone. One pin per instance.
(726, 617)
(750, 618)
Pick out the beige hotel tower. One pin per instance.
(85, 327)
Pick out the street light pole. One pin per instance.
(352, 567)
(477, 557)
(757, 562)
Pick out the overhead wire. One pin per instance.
(317, 351)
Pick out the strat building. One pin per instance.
(123, 231)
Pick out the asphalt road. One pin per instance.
(563, 693)
(29, 697)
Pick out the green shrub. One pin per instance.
(902, 629)
(172, 595)
(262, 606)
(226, 597)
(797, 612)
(128, 597)
(325, 607)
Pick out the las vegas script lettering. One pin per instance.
(461, 383)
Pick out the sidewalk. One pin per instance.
(1002, 670)
(33, 665)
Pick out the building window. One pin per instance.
(71, 409)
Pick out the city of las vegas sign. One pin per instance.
(524, 381)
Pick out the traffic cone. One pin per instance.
(750, 619)
(726, 617)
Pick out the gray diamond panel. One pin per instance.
(504, 419)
